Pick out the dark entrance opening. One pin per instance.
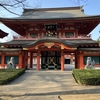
(67, 61)
(50, 59)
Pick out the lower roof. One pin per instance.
(88, 49)
(30, 43)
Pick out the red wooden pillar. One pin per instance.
(76, 59)
(26, 34)
(31, 59)
(81, 60)
(57, 33)
(76, 33)
(40, 33)
(23, 61)
(38, 61)
(26, 59)
(62, 34)
(62, 60)
(20, 59)
(3, 59)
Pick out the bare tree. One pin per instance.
(78, 2)
(11, 4)
(8, 4)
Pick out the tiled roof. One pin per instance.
(82, 41)
(52, 13)
(72, 43)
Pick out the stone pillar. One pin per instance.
(31, 59)
(38, 61)
(62, 60)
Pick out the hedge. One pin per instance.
(8, 75)
(87, 76)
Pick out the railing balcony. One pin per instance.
(24, 38)
(78, 37)
(71, 37)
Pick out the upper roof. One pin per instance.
(44, 16)
(52, 13)
(49, 13)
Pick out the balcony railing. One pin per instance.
(78, 37)
(24, 38)
(71, 37)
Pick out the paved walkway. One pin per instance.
(45, 85)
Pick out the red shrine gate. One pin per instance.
(50, 55)
(51, 35)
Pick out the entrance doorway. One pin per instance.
(67, 61)
(50, 59)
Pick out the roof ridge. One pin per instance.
(58, 8)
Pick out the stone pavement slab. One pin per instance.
(45, 84)
(38, 82)
(28, 97)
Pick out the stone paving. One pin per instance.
(44, 85)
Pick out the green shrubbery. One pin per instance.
(8, 75)
(87, 76)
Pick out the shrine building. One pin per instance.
(52, 37)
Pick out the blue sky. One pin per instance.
(92, 7)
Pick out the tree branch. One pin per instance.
(10, 11)
(13, 4)
(23, 4)
(78, 1)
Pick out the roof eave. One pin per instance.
(72, 18)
